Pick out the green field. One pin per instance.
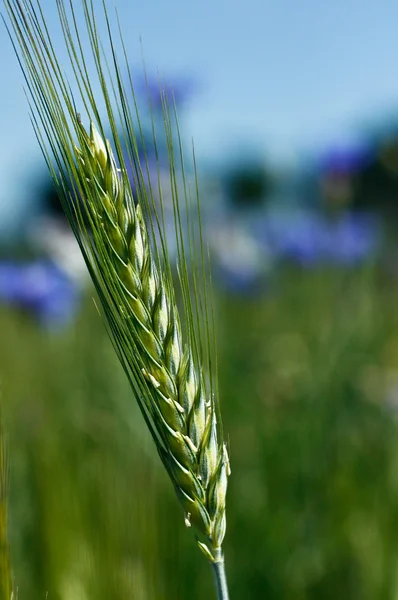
(309, 392)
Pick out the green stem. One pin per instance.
(221, 580)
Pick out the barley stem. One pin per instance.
(221, 580)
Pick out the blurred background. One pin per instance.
(293, 108)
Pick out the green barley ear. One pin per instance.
(168, 355)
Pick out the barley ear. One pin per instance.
(183, 415)
(167, 353)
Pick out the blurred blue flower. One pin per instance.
(249, 253)
(352, 239)
(42, 289)
(347, 156)
(309, 238)
(296, 238)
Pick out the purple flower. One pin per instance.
(42, 289)
(352, 239)
(248, 251)
(294, 238)
(345, 157)
(309, 238)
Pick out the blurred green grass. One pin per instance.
(309, 390)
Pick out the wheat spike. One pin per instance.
(184, 418)
(166, 354)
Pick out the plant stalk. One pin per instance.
(221, 580)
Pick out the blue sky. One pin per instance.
(280, 75)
